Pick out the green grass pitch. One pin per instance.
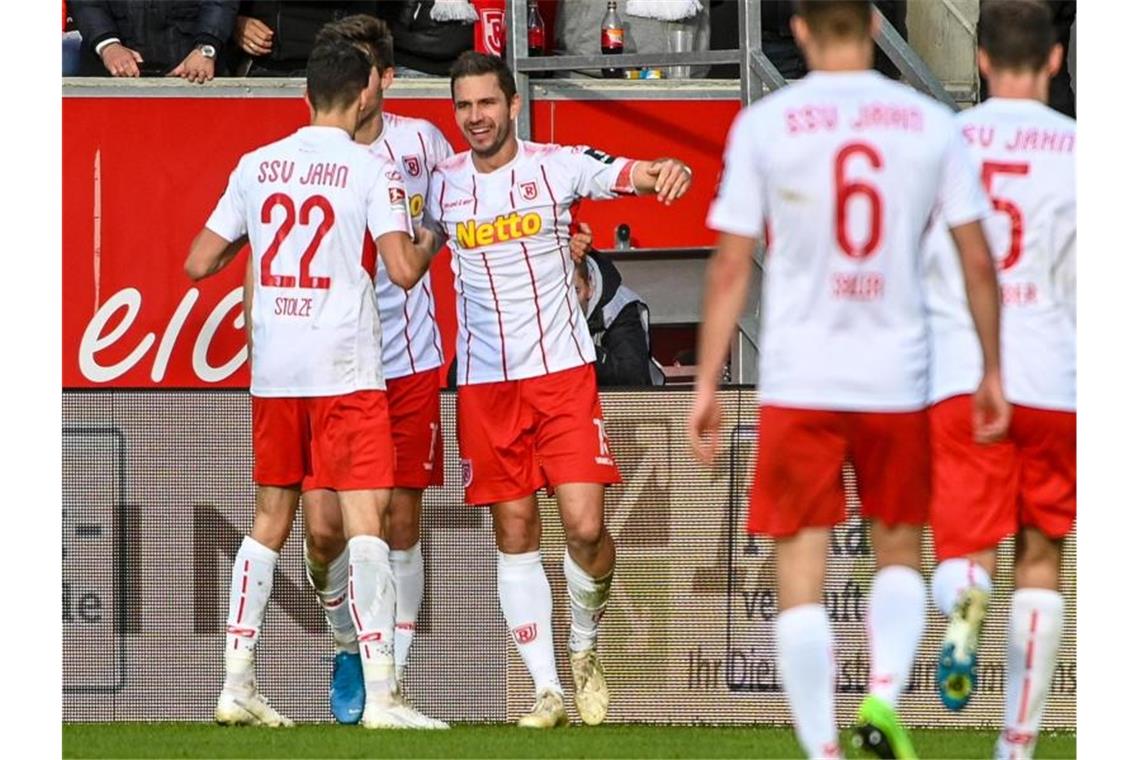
(136, 740)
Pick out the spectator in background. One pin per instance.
(578, 25)
(618, 320)
(72, 45)
(129, 39)
(273, 38)
(425, 41)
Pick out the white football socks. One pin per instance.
(372, 601)
(330, 582)
(1036, 620)
(250, 585)
(952, 577)
(408, 570)
(896, 617)
(807, 668)
(588, 597)
(524, 595)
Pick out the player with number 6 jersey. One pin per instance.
(839, 174)
(529, 414)
(316, 208)
(1026, 485)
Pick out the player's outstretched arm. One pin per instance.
(210, 252)
(991, 410)
(668, 178)
(405, 259)
(726, 290)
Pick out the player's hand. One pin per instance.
(672, 179)
(581, 242)
(253, 36)
(195, 68)
(704, 425)
(120, 60)
(991, 410)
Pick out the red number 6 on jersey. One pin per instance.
(845, 191)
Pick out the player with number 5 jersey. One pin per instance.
(316, 208)
(529, 415)
(1025, 486)
(839, 174)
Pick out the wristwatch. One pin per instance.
(208, 51)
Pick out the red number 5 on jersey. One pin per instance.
(1007, 207)
(270, 280)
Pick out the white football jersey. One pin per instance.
(1026, 153)
(509, 234)
(312, 205)
(411, 336)
(842, 172)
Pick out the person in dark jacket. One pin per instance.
(423, 44)
(131, 38)
(273, 38)
(619, 324)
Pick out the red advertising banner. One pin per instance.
(141, 175)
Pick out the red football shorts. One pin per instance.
(799, 468)
(984, 493)
(413, 412)
(339, 442)
(517, 436)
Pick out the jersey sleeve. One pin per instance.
(738, 207)
(961, 197)
(388, 203)
(438, 148)
(228, 219)
(598, 175)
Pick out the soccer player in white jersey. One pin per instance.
(1026, 485)
(840, 174)
(315, 208)
(528, 409)
(412, 355)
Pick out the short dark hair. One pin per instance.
(337, 73)
(362, 29)
(473, 64)
(836, 19)
(1016, 34)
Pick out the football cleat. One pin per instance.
(879, 732)
(247, 708)
(393, 711)
(346, 690)
(548, 711)
(958, 661)
(591, 693)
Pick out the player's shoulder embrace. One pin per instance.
(452, 163)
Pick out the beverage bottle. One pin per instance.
(535, 35)
(613, 38)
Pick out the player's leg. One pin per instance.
(797, 498)
(527, 604)
(571, 443)
(891, 457)
(407, 568)
(589, 568)
(353, 448)
(326, 567)
(280, 453)
(973, 507)
(1047, 449)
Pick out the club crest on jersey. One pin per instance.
(465, 472)
(412, 166)
(525, 634)
(529, 190)
(505, 228)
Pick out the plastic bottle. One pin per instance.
(613, 38)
